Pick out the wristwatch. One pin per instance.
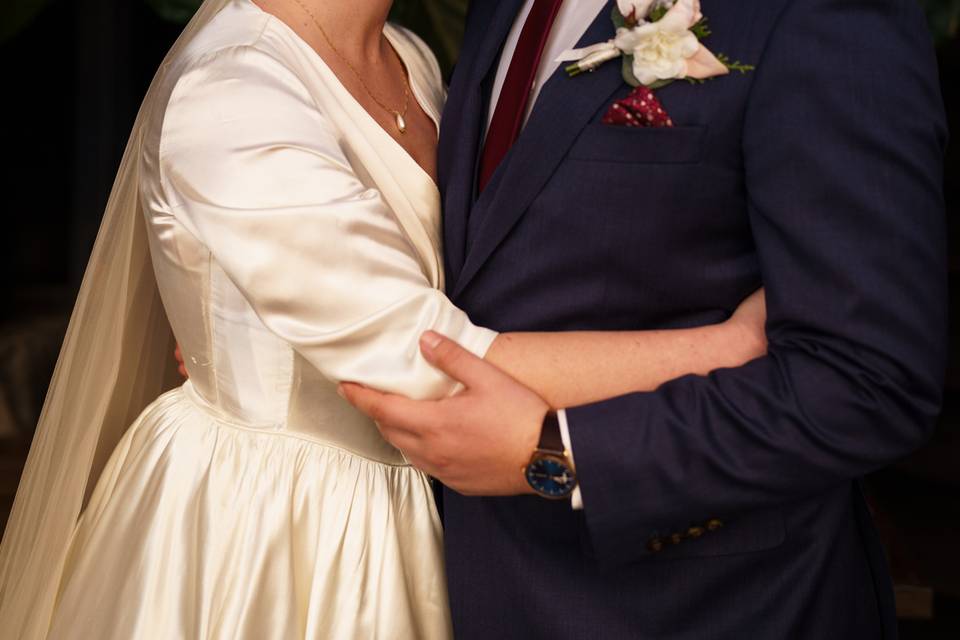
(550, 472)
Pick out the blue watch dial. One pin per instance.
(551, 476)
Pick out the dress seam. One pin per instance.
(197, 401)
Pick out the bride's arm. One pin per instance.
(575, 368)
(258, 176)
(582, 367)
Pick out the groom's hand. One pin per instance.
(181, 365)
(475, 442)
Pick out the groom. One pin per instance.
(725, 506)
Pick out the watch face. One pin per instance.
(551, 476)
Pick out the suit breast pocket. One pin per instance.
(639, 145)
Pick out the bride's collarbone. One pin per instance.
(419, 134)
(380, 85)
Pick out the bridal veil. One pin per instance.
(115, 360)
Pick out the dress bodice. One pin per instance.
(295, 243)
(241, 371)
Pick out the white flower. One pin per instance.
(638, 8)
(663, 50)
(659, 52)
(668, 49)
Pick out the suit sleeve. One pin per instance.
(843, 145)
(257, 174)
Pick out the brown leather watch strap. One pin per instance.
(550, 438)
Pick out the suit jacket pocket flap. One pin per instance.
(664, 145)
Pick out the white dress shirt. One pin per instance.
(573, 19)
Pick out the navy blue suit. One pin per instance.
(818, 176)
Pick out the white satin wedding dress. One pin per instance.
(295, 244)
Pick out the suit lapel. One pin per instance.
(565, 106)
(495, 19)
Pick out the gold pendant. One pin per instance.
(401, 123)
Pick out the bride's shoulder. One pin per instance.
(241, 81)
(239, 61)
(240, 43)
(237, 25)
(244, 91)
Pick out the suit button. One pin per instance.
(655, 545)
(695, 532)
(714, 524)
(676, 538)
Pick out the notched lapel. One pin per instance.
(565, 106)
(495, 17)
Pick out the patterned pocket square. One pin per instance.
(639, 109)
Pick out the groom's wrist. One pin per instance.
(550, 472)
(576, 498)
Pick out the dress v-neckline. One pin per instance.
(414, 83)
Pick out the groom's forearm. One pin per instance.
(574, 368)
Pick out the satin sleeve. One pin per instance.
(256, 173)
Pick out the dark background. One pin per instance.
(73, 73)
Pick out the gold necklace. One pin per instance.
(400, 117)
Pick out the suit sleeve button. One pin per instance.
(695, 532)
(676, 538)
(714, 524)
(655, 545)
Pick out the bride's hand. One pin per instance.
(749, 324)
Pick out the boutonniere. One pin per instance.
(659, 42)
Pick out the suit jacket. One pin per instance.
(818, 176)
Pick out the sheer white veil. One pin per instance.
(115, 360)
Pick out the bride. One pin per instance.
(278, 197)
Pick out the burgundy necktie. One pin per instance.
(515, 95)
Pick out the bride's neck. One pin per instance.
(355, 27)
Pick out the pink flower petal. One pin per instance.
(682, 15)
(703, 64)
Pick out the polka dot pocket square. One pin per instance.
(639, 109)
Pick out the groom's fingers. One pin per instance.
(457, 362)
(391, 412)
